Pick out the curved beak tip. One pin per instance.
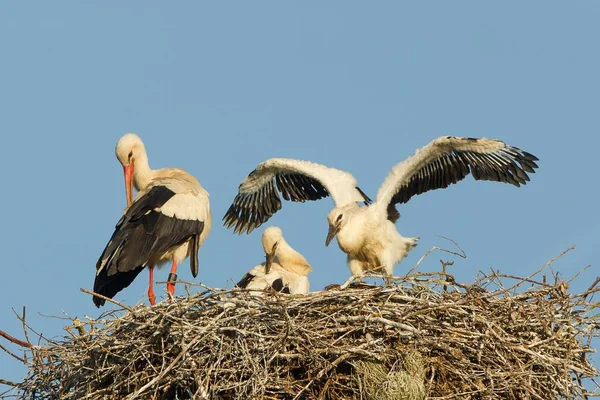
(333, 231)
(270, 257)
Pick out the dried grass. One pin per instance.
(425, 337)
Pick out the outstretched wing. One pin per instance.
(158, 220)
(450, 159)
(258, 195)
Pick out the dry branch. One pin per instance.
(426, 336)
(14, 339)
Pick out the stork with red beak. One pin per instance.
(168, 221)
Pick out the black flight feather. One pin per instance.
(142, 233)
(250, 210)
(278, 286)
(509, 165)
(245, 281)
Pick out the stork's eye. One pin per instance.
(130, 155)
(339, 218)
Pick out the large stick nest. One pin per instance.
(424, 337)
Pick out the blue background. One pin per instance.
(217, 87)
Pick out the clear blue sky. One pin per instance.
(217, 87)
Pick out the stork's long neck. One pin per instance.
(291, 260)
(142, 174)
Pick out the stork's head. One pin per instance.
(336, 220)
(129, 148)
(271, 238)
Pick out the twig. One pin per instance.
(13, 355)
(350, 280)
(520, 281)
(25, 330)
(9, 383)
(164, 371)
(107, 299)
(532, 343)
(445, 264)
(462, 253)
(15, 340)
(379, 320)
(591, 288)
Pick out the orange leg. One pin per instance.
(172, 278)
(151, 295)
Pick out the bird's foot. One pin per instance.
(414, 241)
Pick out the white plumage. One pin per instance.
(285, 270)
(368, 234)
(168, 221)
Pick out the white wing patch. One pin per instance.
(186, 206)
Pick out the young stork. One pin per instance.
(168, 221)
(285, 270)
(367, 234)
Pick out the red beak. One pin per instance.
(128, 173)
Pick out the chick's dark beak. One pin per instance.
(270, 257)
(333, 231)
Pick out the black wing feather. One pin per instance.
(508, 165)
(250, 210)
(195, 244)
(278, 286)
(245, 281)
(141, 234)
(110, 286)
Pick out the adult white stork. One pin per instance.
(368, 234)
(168, 221)
(285, 270)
